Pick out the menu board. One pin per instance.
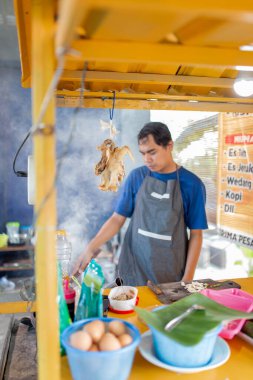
(235, 178)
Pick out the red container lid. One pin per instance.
(69, 293)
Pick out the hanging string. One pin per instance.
(111, 110)
(105, 125)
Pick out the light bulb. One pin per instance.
(243, 87)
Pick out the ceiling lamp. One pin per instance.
(243, 87)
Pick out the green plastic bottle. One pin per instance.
(64, 318)
(91, 301)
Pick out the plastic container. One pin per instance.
(3, 240)
(171, 352)
(123, 305)
(12, 229)
(235, 299)
(63, 250)
(100, 365)
(70, 295)
(26, 233)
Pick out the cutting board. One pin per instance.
(174, 291)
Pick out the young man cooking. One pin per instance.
(162, 199)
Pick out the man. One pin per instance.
(162, 200)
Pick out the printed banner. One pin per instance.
(235, 178)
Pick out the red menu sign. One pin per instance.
(235, 178)
(239, 139)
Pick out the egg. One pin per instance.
(109, 342)
(125, 339)
(96, 329)
(81, 340)
(94, 348)
(117, 328)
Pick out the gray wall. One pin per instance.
(82, 207)
(15, 121)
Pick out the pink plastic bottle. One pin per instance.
(69, 295)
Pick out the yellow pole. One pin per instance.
(44, 155)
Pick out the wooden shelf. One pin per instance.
(11, 248)
(12, 269)
(16, 266)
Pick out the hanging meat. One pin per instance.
(111, 166)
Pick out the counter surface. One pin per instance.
(239, 365)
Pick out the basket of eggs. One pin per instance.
(100, 348)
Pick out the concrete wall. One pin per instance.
(82, 207)
(15, 121)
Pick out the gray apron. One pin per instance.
(155, 244)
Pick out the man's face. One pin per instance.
(156, 157)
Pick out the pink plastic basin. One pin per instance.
(235, 299)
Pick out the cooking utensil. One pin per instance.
(175, 321)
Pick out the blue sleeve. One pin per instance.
(126, 201)
(195, 213)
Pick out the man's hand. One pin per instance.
(82, 262)
(187, 278)
(194, 248)
(107, 231)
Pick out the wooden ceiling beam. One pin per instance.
(175, 6)
(152, 97)
(159, 54)
(142, 78)
(154, 105)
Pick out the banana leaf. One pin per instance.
(191, 330)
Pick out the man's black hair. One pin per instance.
(159, 131)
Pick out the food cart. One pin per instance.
(166, 54)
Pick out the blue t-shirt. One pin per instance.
(192, 190)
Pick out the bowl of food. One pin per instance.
(100, 348)
(123, 298)
(185, 333)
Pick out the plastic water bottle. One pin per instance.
(63, 250)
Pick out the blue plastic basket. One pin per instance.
(101, 365)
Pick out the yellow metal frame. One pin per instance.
(36, 27)
(43, 66)
(24, 39)
(185, 49)
(16, 307)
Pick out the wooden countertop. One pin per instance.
(239, 365)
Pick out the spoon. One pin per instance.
(175, 321)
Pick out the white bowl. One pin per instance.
(122, 305)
